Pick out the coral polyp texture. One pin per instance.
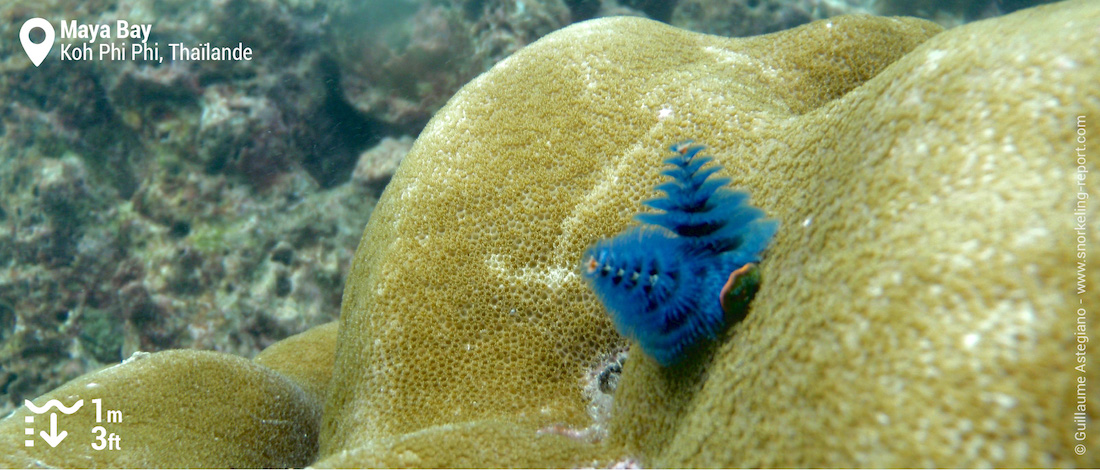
(662, 282)
(908, 323)
(917, 302)
(178, 408)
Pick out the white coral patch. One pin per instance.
(553, 277)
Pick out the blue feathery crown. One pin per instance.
(662, 282)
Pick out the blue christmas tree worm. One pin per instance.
(671, 281)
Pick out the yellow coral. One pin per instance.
(463, 303)
(306, 358)
(504, 443)
(914, 309)
(178, 409)
(909, 307)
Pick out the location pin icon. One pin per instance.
(37, 52)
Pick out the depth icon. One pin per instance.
(53, 438)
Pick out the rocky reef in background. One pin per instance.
(148, 206)
(216, 205)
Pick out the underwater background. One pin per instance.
(216, 205)
(153, 204)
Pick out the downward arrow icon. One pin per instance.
(53, 438)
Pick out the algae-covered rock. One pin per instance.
(140, 202)
(915, 304)
(178, 409)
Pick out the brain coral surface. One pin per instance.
(915, 306)
(909, 302)
(465, 302)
